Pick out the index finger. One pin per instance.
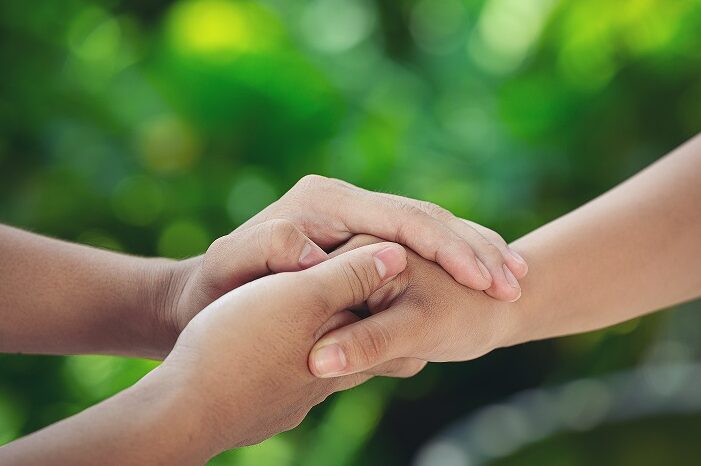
(401, 222)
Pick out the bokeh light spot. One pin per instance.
(335, 26)
(506, 32)
(499, 429)
(168, 144)
(222, 27)
(435, 26)
(443, 454)
(586, 67)
(251, 193)
(584, 403)
(94, 35)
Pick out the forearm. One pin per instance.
(157, 421)
(631, 251)
(58, 297)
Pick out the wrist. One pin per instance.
(212, 401)
(517, 320)
(176, 410)
(160, 284)
(509, 326)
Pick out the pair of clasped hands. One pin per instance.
(266, 321)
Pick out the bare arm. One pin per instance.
(58, 297)
(236, 376)
(157, 421)
(633, 250)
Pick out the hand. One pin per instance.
(331, 211)
(325, 212)
(242, 256)
(423, 314)
(245, 355)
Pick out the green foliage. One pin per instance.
(154, 127)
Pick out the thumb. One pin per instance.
(269, 247)
(365, 344)
(350, 278)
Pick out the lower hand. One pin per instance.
(245, 355)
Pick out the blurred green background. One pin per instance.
(154, 127)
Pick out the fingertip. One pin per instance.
(516, 263)
(475, 276)
(390, 260)
(467, 276)
(461, 263)
(484, 271)
(327, 360)
(519, 272)
(506, 288)
(503, 294)
(311, 255)
(515, 297)
(510, 278)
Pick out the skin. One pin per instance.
(332, 211)
(629, 252)
(237, 374)
(85, 300)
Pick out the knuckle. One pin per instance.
(491, 252)
(217, 246)
(281, 236)
(358, 279)
(409, 229)
(436, 211)
(374, 341)
(213, 257)
(312, 181)
(319, 301)
(217, 252)
(494, 238)
(409, 209)
(285, 234)
(488, 234)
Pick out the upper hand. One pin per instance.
(331, 211)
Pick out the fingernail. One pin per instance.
(483, 269)
(510, 277)
(389, 261)
(329, 360)
(517, 256)
(311, 255)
